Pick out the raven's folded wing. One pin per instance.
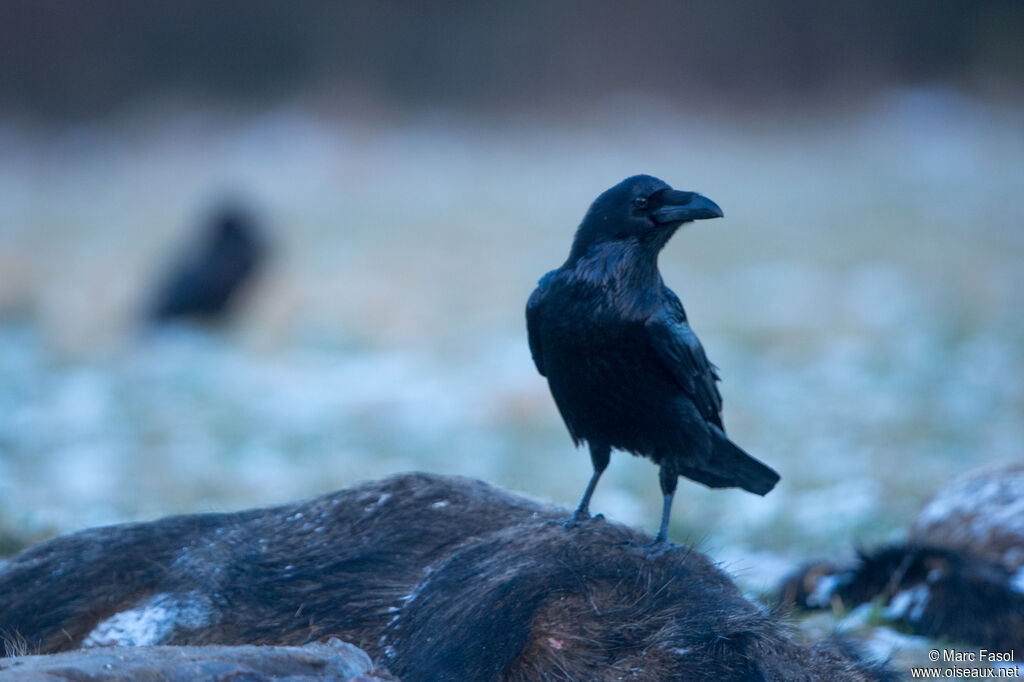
(679, 349)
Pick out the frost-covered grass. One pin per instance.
(862, 298)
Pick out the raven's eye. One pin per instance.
(640, 202)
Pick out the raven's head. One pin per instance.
(642, 209)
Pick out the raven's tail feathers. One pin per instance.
(734, 467)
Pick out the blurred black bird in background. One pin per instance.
(206, 280)
(624, 367)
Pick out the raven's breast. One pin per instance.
(608, 383)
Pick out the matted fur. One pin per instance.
(438, 578)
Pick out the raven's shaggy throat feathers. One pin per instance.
(627, 272)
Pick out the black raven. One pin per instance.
(624, 367)
(206, 279)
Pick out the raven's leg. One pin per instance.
(600, 453)
(668, 476)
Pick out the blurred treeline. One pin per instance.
(67, 60)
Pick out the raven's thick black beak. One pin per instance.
(685, 206)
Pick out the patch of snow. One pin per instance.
(908, 603)
(826, 586)
(384, 497)
(1016, 583)
(418, 588)
(856, 619)
(150, 623)
(884, 642)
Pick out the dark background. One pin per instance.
(72, 60)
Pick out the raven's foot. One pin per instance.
(581, 515)
(578, 517)
(658, 547)
(652, 549)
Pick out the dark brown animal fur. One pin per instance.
(438, 578)
(932, 591)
